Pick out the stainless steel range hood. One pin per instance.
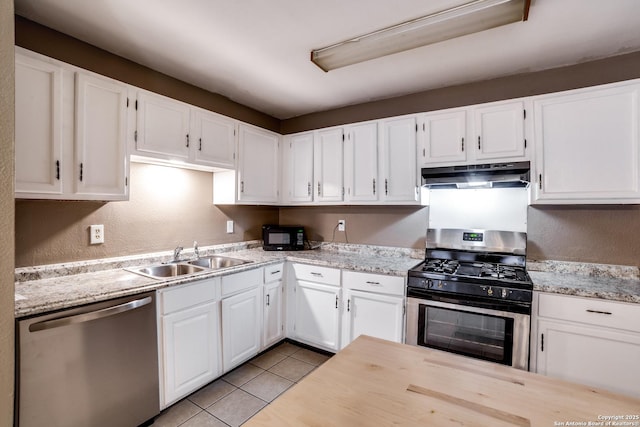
(491, 175)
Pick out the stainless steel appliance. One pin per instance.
(495, 175)
(282, 237)
(472, 295)
(95, 365)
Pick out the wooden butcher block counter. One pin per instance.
(373, 382)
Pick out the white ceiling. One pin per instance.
(256, 52)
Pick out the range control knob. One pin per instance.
(489, 291)
(504, 293)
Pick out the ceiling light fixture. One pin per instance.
(472, 17)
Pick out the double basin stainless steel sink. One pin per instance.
(185, 268)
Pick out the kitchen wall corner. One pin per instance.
(7, 208)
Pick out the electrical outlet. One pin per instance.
(341, 225)
(96, 233)
(229, 227)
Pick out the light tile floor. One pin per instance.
(241, 393)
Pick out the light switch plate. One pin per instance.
(229, 227)
(96, 234)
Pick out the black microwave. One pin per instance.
(282, 237)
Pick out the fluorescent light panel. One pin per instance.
(466, 19)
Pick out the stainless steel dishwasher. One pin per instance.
(91, 366)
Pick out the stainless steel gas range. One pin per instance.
(472, 295)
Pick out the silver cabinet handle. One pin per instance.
(308, 188)
(373, 283)
(92, 315)
(599, 312)
(374, 186)
(200, 147)
(242, 186)
(386, 186)
(348, 305)
(478, 142)
(275, 272)
(462, 143)
(81, 171)
(313, 273)
(58, 170)
(187, 140)
(336, 301)
(267, 300)
(318, 188)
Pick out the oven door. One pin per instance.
(482, 333)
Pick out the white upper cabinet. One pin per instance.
(38, 127)
(476, 134)
(443, 138)
(361, 163)
(499, 131)
(101, 147)
(213, 139)
(398, 173)
(162, 127)
(587, 147)
(298, 180)
(328, 166)
(70, 132)
(258, 165)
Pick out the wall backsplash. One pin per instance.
(167, 207)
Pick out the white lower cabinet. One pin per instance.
(241, 317)
(273, 305)
(589, 341)
(374, 306)
(317, 306)
(189, 338)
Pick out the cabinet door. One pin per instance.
(317, 314)
(328, 165)
(191, 349)
(101, 124)
(399, 178)
(444, 137)
(38, 127)
(273, 329)
(361, 163)
(163, 127)
(499, 131)
(588, 147)
(216, 141)
(300, 168)
(372, 314)
(241, 328)
(597, 357)
(258, 165)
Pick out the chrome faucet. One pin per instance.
(176, 253)
(196, 250)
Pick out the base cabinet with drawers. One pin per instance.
(241, 317)
(317, 306)
(273, 305)
(374, 306)
(189, 338)
(589, 341)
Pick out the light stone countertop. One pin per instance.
(53, 287)
(48, 288)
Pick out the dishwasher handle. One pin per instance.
(91, 315)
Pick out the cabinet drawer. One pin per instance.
(313, 273)
(184, 296)
(593, 311)
(240, 281)
(273, 273)
(392, 285)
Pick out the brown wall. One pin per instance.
(7, 212)
(399, 226)
(617, 68)
(46, 41)
(167, 207)
(599, 234)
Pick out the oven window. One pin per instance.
(478, 335)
